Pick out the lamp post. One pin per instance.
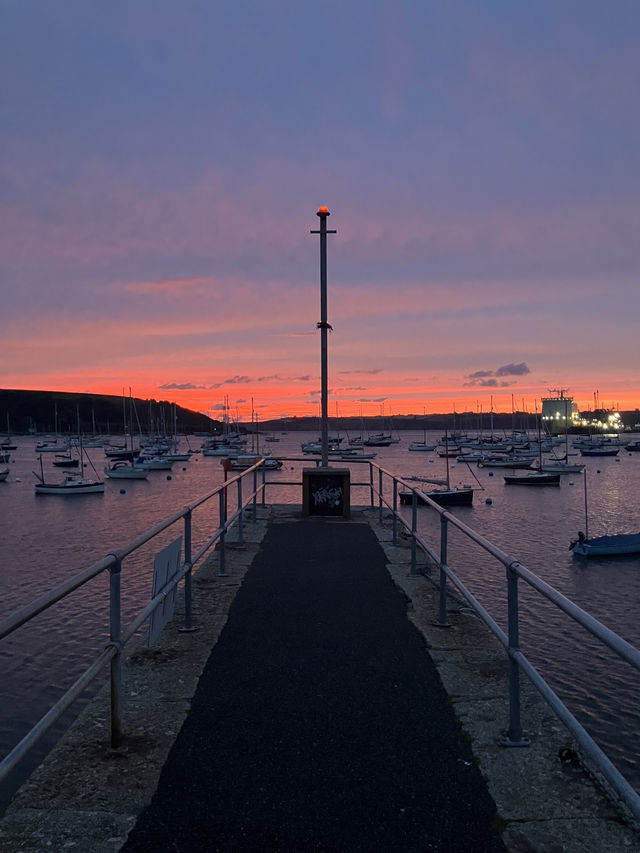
(323, 325)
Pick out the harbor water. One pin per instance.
(45, 539)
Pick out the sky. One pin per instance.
(162, 162)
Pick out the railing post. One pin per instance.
(371, 492)
(514, 735)
(414, 531)
(240, 514)
(394, 537)
(116, 660)
(380, 494)
(264, 480)
(255, 494)
(444, 533)
(223, 531)
(188, 625)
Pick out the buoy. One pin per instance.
(123, 491)
(598, 471)
(184, 469)
(489, 501)
(168, 476)
(491, 473)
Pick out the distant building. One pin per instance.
(559, 413)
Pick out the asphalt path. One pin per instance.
(319, 722)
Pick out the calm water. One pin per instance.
(47, 538)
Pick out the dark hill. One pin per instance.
(46, 411)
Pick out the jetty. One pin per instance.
(320, 706)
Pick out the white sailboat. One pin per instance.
(74, 482)
(124, 467)
(422, 446)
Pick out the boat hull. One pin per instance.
(70, 488)
(608, 546)
(532, 480)
(127, 473)
(443, 497)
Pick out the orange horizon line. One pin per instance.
(192, 400)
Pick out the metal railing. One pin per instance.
(119, 636)
(375, 487)
(518, 661)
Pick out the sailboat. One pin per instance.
(7, 444)
(422, 445)
(534, 478)
(123, 466)
(614, 545)
(74, 483)
(447, 496)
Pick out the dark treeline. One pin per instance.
(48, 411)
(38, 411)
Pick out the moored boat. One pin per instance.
(247, 460)
(457, 496)
(556, 466)
(504, 461)
(73, 484)
(123, 469)
(534, 478)
(606, 546)
(62, 461)
(52, 446)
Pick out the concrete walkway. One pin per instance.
(320, 722)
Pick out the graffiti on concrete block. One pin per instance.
(327, 494)
(331, 497)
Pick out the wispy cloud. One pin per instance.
(185, 386)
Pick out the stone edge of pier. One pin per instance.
(85, 796)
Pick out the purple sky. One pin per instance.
(162, 163)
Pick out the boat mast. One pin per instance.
(446, 453)
(586, 510)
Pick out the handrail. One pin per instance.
(518, 660)
(119, 638)
(514, 571)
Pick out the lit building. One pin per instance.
(559, 413)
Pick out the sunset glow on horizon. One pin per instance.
(161, 175)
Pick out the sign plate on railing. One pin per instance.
(165, 567)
